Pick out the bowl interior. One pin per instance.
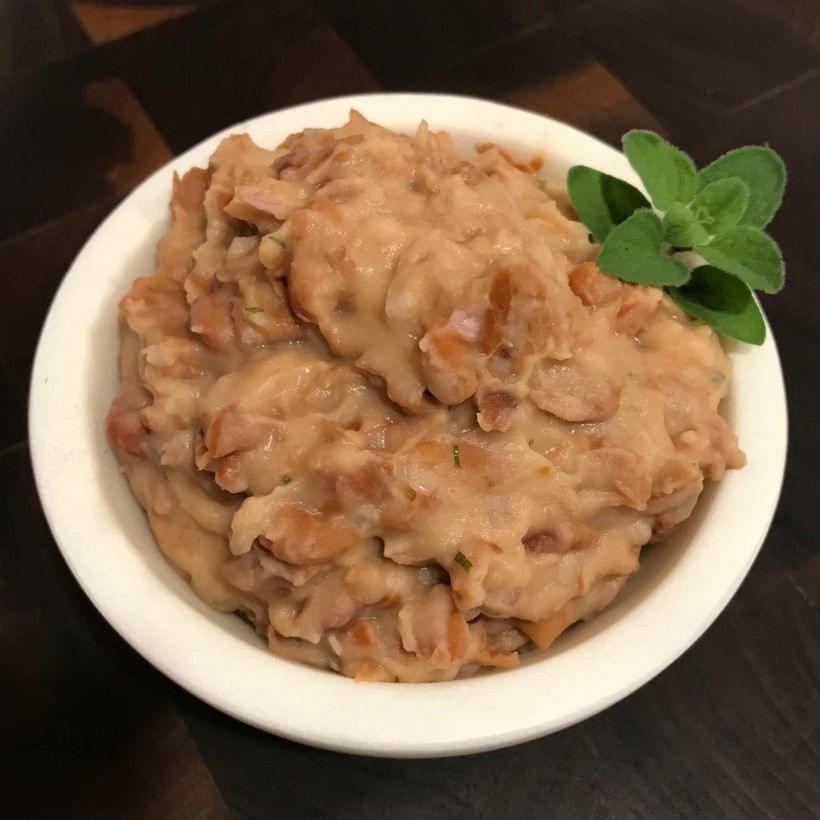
(682, 585)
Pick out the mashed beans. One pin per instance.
(379, 399)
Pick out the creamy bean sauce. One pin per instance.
(379, 399)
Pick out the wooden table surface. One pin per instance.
(94, 95)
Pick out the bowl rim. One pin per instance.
(407, 720)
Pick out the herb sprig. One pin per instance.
(717, 213)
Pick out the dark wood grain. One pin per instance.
(261, 56)
(37, 32)
(88, 727)
(77, 137)
(106, 21)
(691, 59)
(94, 94)
(31, 267)
(401, 44)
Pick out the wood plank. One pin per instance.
(148, 150)
(402, 42)
(588, 97)
(36, 32)
(239, 59)
(31, 267)
(88, 727)
(688, 59)
(110, 21)
(78, 136)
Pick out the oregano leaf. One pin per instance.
(764, 173)
(667, 173)
(720, 205)
(631, 252)
(749, 254)
(681, 228)
(600, 200)
(723, 302)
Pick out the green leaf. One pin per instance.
(763, 172)
(680, 227)
(749, 254)
(720, 205)
(632, 252)
(602, 201)
(723, 302)
(667, 173)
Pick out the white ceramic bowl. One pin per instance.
(681, 588)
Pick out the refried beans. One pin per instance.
(379, 399)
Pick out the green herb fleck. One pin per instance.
(463, 561)
(457, 455)
(286, 479)
(253, 310)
